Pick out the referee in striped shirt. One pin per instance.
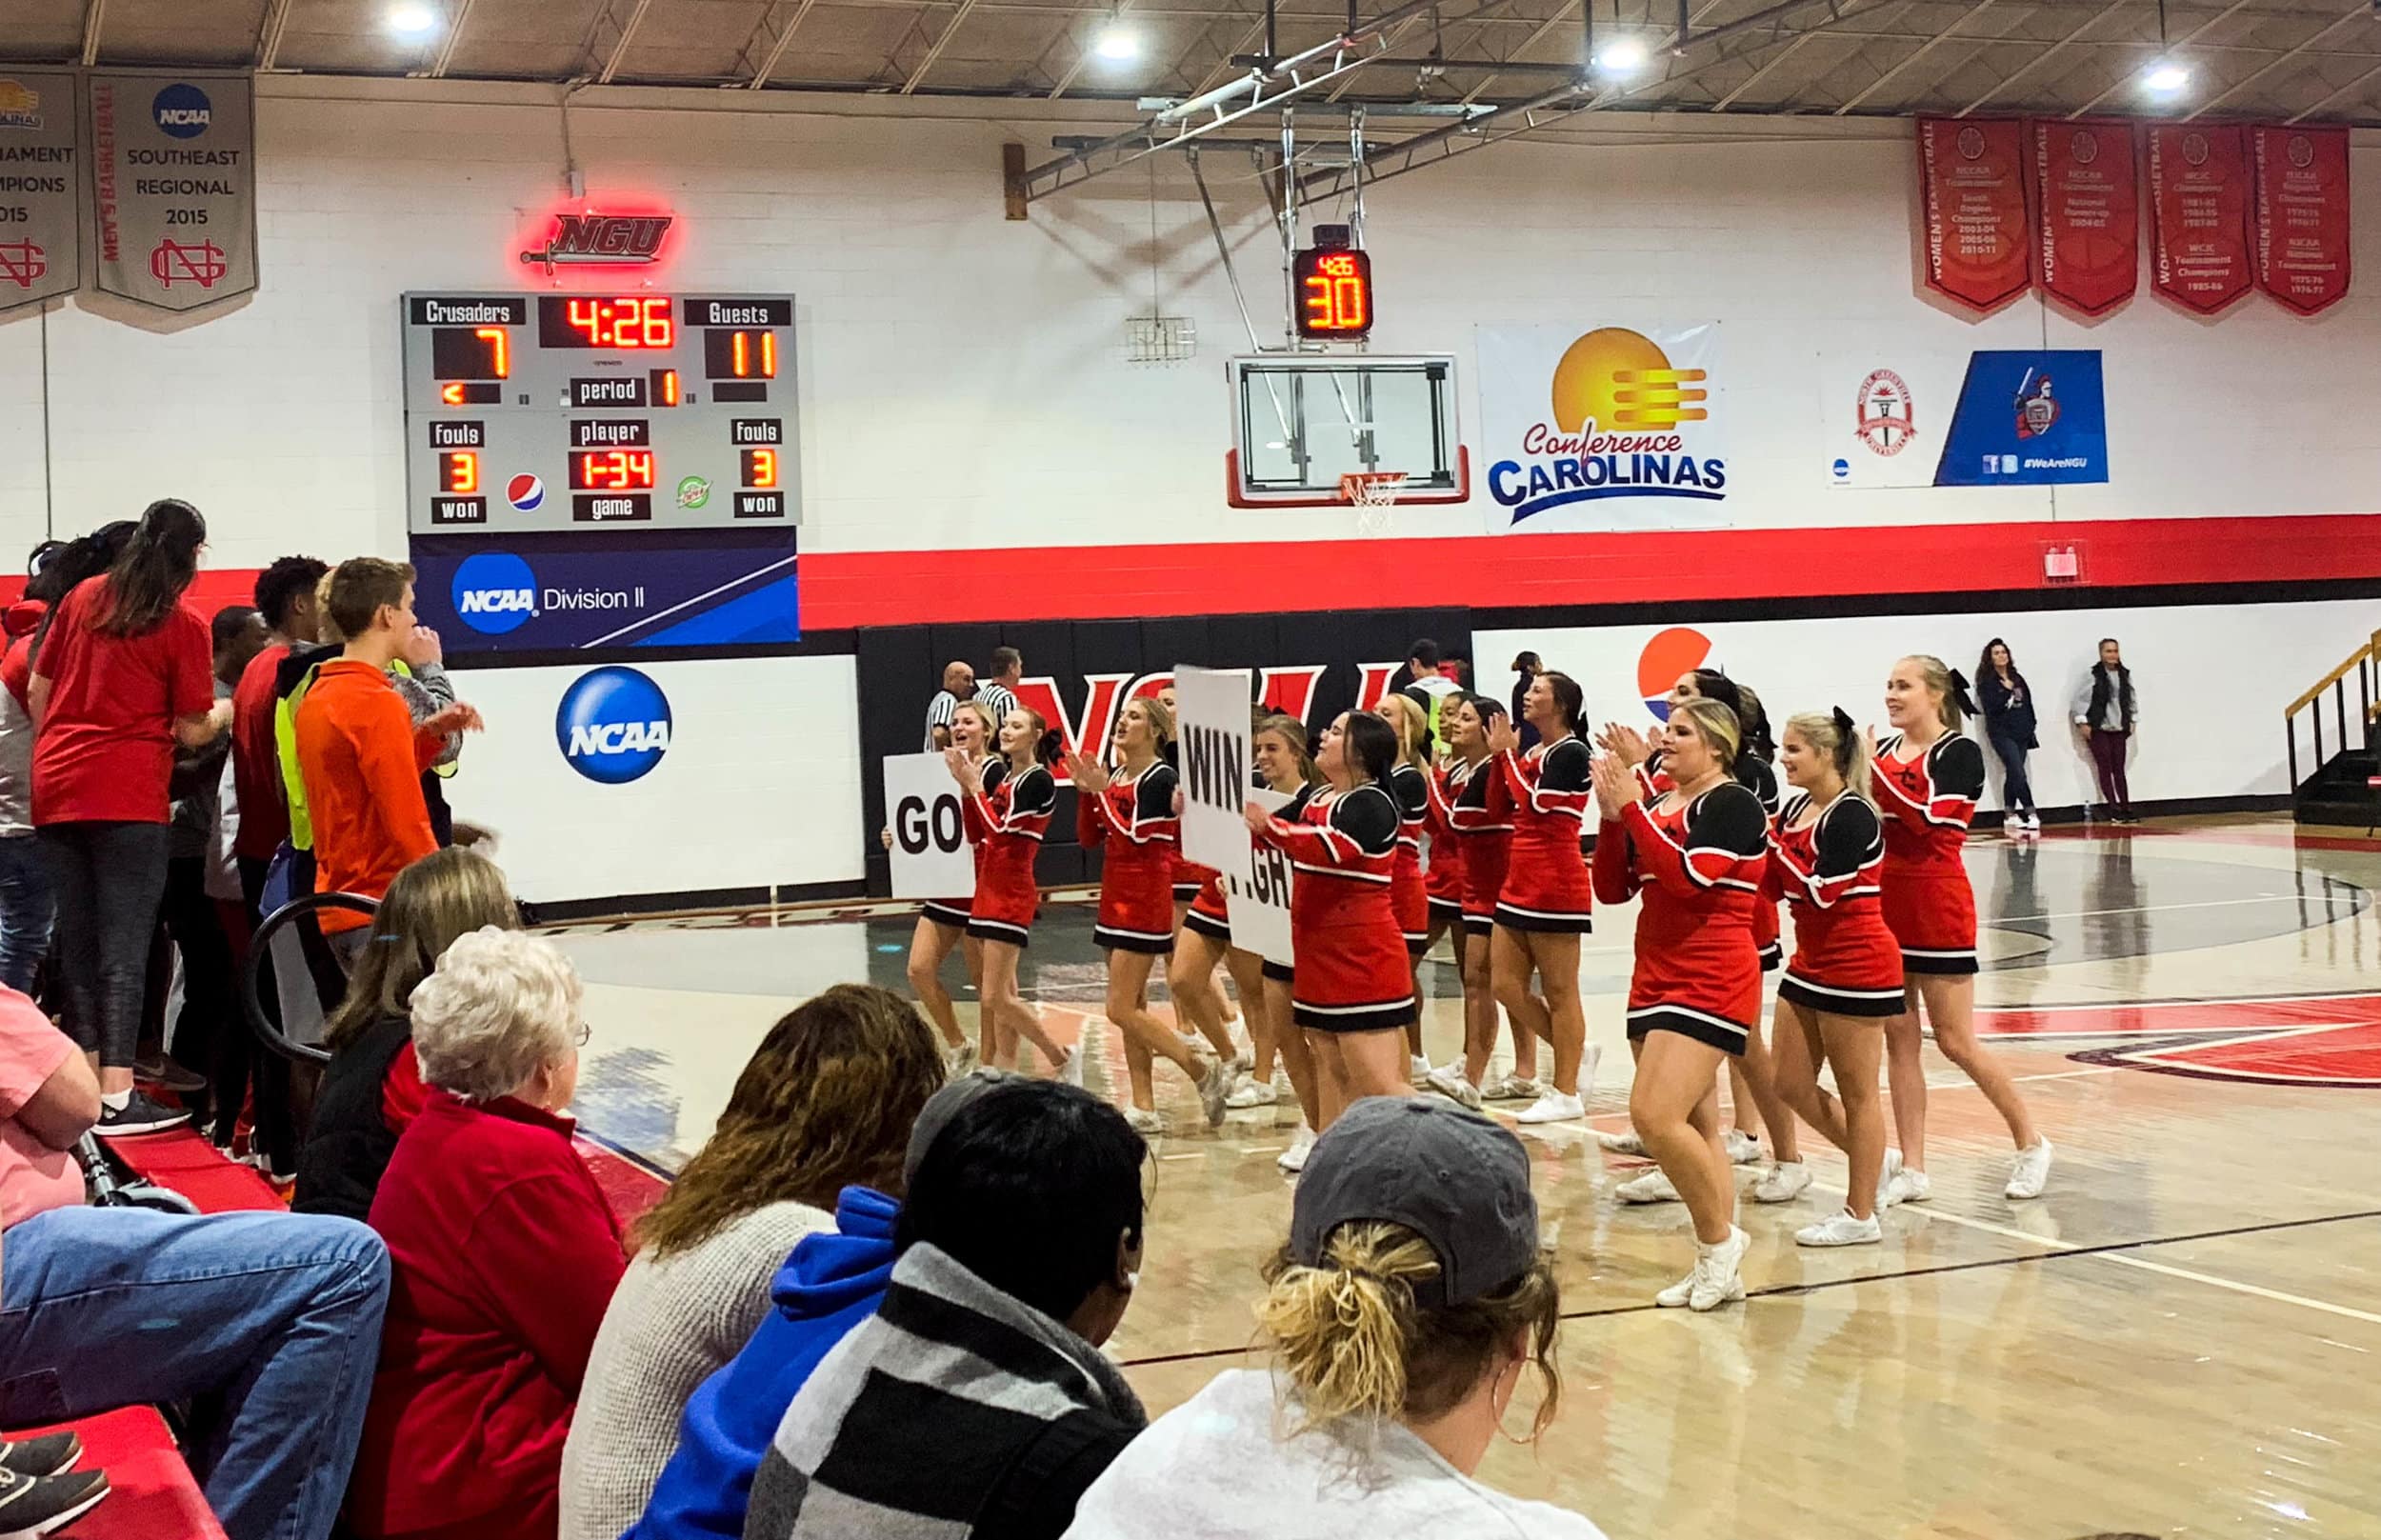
(999, 693)
(958, 685)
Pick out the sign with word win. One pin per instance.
(1215, 759)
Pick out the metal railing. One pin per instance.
(2366, 665)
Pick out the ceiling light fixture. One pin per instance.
(1117, 43)
(2165, 77)
(412, 19)
(1622, 56)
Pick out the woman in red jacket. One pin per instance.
(1352, 991)
(1695, 854)
(1005, 823)
(1129, 816)
(505, 1257)
(1548, 902)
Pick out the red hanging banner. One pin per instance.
(2087, 252)
(2199, 197)
(1971, 181)
(2302, 215)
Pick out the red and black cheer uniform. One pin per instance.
(1006, 825)
(1547, 886)
(954, 914)
(1480, 810)
(1928, 799)
(1442, 880)
(1832, 870)
(1757, 776)
(1133, 823)
(1293, 810)
(1354, 975)
(1409, 788)
(1698, 868)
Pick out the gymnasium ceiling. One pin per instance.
(2315, 60)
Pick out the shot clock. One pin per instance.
(558, 412)
(1331, 282)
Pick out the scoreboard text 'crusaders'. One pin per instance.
(1333, 284)
(581, 411)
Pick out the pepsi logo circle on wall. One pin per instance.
(1668, 654)
(613, 724)
(183, 111)
(494, 592)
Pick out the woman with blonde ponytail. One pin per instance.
(1406, 1308)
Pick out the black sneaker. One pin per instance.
(168, 1072)
(47, 1456)
(139, 1115)
(33, 1505)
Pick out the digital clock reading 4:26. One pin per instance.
(1333, 285)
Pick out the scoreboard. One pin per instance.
(580, 412)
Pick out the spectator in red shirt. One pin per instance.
(124, 673)
(373, 1087)
(28, 905)
(285, 596)
(359, 751)
(505, 1257)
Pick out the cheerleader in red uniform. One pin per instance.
(1352, 990)
(1006, 823)
(1695, 855)
(1408, 785)
(1928, 775)
(942, 927)
(1478, 811)
(1547, 902)
(1129, 815)
(1826, 858)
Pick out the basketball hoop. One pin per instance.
(1373, 493)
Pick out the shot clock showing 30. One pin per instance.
(1333, 284)
(643, 411)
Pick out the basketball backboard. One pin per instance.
(1303, 421)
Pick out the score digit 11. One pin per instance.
(1331, 282)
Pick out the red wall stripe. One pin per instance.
(891, 588)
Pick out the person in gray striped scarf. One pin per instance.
(976, 1403)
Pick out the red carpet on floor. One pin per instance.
(150, 1493)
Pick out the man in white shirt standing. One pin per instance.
(999, 693)
(1432, 685)
(2104, 713)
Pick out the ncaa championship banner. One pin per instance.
(1948, 419)
(41, 185)
(173, 189)
(1603, 428)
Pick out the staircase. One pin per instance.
(2338, 744)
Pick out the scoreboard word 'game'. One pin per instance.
(580, 411)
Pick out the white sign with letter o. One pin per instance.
(931, 858)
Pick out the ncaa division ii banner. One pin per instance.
(41, 210)
(1603, 428)
(174, 188)
(1947, 419)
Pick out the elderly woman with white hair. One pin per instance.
(506, 1256)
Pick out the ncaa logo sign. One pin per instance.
(494, 593)
(182, 110)
(613, 724)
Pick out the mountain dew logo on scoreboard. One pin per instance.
(1603, 427)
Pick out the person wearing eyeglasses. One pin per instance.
(504, 1255)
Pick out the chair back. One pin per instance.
(302, 975)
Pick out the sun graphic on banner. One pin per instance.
(1621, 381)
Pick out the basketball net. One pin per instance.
(1373, 493)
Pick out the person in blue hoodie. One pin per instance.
(833, 1281)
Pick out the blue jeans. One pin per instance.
(27, 907)
(270, 1321)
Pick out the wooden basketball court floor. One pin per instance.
(2182, 1338)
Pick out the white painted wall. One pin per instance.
(964, 377)
(2209, 681)
(760, 784)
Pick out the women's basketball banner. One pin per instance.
(2199, 198)
(1971, 179)
(2087, 253)
(2302, 215)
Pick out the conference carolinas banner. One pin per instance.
(2087, 213)
(1971, 184)
(2302, 215)
(1989, 418)
(2199, 209)
(1603, 428)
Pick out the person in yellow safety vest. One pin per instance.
(1432, 687)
